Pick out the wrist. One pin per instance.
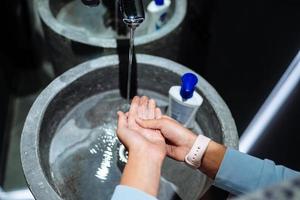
(185, 147)
(212, 159)
(142, 172)
(147, 154)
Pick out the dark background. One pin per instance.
(241, 47)
(13, 49)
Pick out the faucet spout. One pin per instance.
(91, 3)
(132, 12)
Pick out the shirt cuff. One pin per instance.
(123, 192)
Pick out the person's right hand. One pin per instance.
(179, 139)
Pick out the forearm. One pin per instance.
(240, 173)
(142, 172)
(212, 159)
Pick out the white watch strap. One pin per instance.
(194, 157)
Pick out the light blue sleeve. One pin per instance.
(123, 192)
(240, 173)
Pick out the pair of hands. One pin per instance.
(150, 136)
(144, 130)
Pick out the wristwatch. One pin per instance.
(194, 157)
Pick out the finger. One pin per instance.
(151, 123)
(133, 111)
(134, 105)
(143, 108)
(167, 117)
(170, 150)
(174, 152)
(122, 130)
(151, 109)
(158, 113)
(168, 128)
(122, 121)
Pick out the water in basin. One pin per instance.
(87, 159)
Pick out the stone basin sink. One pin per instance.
(69, 147)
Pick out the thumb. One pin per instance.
(150, 123)
(122, 120)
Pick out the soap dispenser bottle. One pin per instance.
(157, 12)
(184, 101)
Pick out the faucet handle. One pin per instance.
(133, 12)
(91, 3)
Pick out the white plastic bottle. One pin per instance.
(157, 13)
(184, 102)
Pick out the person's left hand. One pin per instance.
(147, 148)
(138, 139)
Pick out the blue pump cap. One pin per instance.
(188, 84)
(159, 2)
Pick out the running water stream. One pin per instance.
(133, 15)
(130, 62)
